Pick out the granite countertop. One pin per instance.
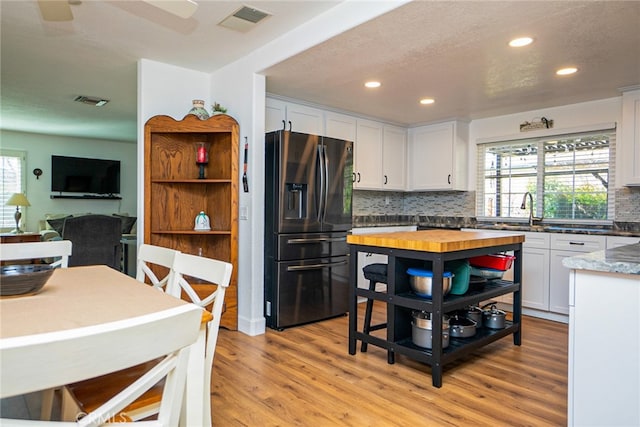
(631, 229)
(624, 259)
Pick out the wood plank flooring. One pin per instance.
(304, 376)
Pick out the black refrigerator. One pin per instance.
(308, 189)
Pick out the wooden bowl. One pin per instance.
(23, 279)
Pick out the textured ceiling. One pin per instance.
(457, 53)
(453, 51)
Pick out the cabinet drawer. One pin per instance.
(536, 240)
(577, 242)
(616, 241)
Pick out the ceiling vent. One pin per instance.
(96, 102)
(243, 19)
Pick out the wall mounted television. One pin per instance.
(85, 177)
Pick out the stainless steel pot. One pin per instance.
(473, 312)
(421, 330)
(492, 317)
(461, 327)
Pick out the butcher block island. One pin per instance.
(432, 250)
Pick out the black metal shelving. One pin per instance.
(401, 302)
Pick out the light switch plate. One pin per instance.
(244, 212)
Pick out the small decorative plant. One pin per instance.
(218, 109)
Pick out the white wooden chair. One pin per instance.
(198, 388)
(216, 273)
(151, 255)
(60, 249)
(38, 250)
(178, 327)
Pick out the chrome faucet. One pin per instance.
(524, 206)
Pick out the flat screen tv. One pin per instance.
(83, 175)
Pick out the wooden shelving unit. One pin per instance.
(174, 195)
(401, 302)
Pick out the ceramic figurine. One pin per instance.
(202, 222)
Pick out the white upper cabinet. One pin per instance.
(297, 118)
(380, 150)
(438, 157)
(340, 126)
(630, 141)
(368, 155)
(394, 158)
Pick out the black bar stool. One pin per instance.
(374, 273)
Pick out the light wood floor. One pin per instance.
(304, 376)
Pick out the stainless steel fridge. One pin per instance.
(308, 189)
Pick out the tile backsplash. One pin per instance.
(627, 205)
(462, 203)
(440, 203)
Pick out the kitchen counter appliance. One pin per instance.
(308, 190)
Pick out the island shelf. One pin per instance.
(431, 249)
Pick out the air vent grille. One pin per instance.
(243, 19)
(250, 14)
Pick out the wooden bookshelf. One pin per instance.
(174, 195)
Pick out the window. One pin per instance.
(569, 174)
(12, 169)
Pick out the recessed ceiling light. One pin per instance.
(372, 84)
(427, 101)
(521, 41)
(566, 71)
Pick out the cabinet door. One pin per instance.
(535, 278)
(630, 141)
(559, 282)
(438, 157)
(563, 246)
(368, 155)
(275, 114)
(298, 118)
(394, 154)
(305, 119)
(340, 126)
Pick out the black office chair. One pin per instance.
(95, 238)
(374, 273)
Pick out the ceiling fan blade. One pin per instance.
(55, 10)
(182, 8)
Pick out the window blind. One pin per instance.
(12, 167)
(568, 177)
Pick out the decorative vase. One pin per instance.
(202, 222)
(199, 110)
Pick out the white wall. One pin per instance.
(241, 88)
(40, 147)
(567, 117)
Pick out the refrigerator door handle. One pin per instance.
(322, 171)
(326, 181)
(315, 266)
(317, 240)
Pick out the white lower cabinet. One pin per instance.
(563, 246)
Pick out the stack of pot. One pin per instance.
(421, 329)
(491, 317)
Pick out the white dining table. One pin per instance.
(86, 299)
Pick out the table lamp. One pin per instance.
(17, 200)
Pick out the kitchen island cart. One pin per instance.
(431, 249)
